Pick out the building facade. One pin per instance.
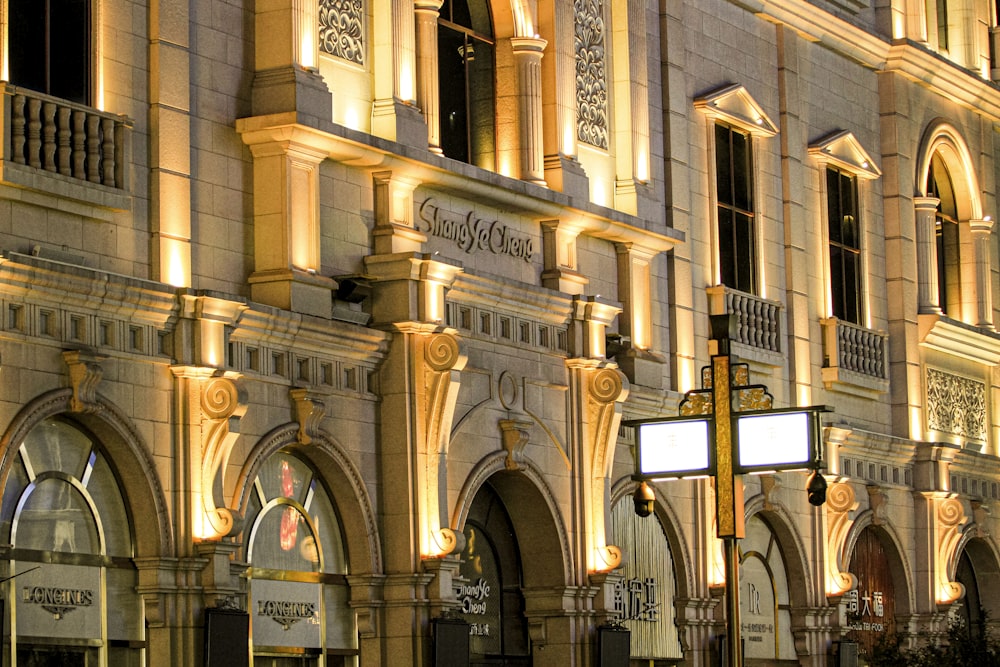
(320, 320)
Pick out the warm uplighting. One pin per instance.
(406, 81)
(177, 263)
(212, 338)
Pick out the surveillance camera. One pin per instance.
(643, 499)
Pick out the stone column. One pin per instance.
(528, 67)
(925, 210)
(427, 69)
(981, 231)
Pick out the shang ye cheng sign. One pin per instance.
(472, 233)
(766, 441)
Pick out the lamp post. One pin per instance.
(712, 438)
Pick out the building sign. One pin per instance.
(62, 601)
(644, 598)
(285, 613)
(758, 611)
(471, 233)
(480, 594)
(870, 608)
(765, 606)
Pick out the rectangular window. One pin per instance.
(50, 47)
(734, 188)
(845, 245)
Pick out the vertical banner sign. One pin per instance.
(644, 600)
(480, 593)
(870, 608)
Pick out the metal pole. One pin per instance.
(734, 643)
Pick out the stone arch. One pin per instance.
(793, 551)
(902, 575)
(985, 558)
(127, 453)
(679, 548)
(525, 494)
(345, 485)
(942, 138)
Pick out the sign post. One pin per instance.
(712, 438)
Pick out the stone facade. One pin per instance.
(319, 323)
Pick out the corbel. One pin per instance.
(85, 373)
(309, 413)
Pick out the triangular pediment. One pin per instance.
(842, 149)
(734, 105)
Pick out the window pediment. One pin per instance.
(842, 149)
(734, 105)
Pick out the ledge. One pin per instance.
(937, 332)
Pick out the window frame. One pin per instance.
(733, 106)
(51, 52)
(847, 302)
(842, 152)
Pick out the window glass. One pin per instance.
(946, 236)
(50, 47)
(56, 517)
(466, 82)
(292, 520)
(734, 188)
(845, 245)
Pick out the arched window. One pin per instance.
(946, 234)
(466, 63)
(298, 587)
(71, 579)
(49, 48)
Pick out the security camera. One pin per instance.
(643, 499)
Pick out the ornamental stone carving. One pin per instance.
(342, 29)
(591, 74)
(956, 405)
(85, 373)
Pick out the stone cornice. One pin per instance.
(958, 339)
(358, 149)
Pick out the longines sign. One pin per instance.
(472, 233)
(285, 613)
(56, 600)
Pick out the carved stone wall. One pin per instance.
(342, 29)
(591, 73)
(956, 405)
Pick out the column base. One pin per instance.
(294, 290)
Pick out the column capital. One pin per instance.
(926, 203)
(984, 226)
(528, 45)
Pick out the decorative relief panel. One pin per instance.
(956, 405)
(591, 73)
(341, 29)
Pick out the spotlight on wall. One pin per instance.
(643, 499)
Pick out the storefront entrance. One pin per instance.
(492, 602)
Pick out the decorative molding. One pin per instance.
(514, 436)
(956, 405)
(877, 502)
(223, 404)
(589, 41)
(309, 413)
(85, 373)
(843, 150)
(735, 106)
(342, 29)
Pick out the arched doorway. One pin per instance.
(871, 607)
(491, 597)
(765, 605)
(71, 581)
(299, 611)
(645, 597)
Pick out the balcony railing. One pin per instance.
(758, 321)
(61, 137)
(853, 348)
